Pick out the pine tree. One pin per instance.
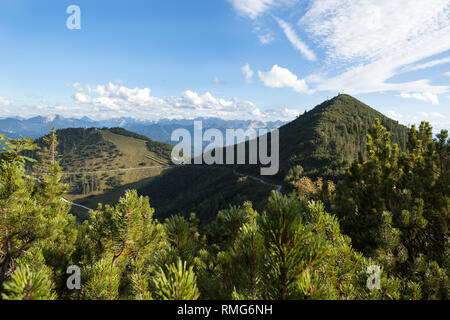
(394, 205)
(246, 258)
(183, 237)
(24, 284)
(48, 155)
(176, 282)
(34, 217)
(291, 251)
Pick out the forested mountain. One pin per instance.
(328, 138)
(324, 141)
(321, 143)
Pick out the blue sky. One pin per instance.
(235, 59)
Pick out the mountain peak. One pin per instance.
(325, 140)
(342, 101)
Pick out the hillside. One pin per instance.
(323, 141)
(204, 190)
(327, 139)
(95, 161)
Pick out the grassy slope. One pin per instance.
(98, 150)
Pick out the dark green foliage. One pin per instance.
(176, 282)
(395, 205)
(294, 250)
(291, 250)
(25, 284)
(35, 228)
(202, 189)
(183, 237)
(327, 139)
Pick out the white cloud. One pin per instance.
(394, 115)
(425, 96)
(82, 98)
(437, 120)
(117, 100)
(282, 113)
(252, 8)
(373, 28)
(367, 42)
(248, 73)
(427, 115)
(314, 78)
(428, 64)
(296, 41)
(75, 85)
(4, 102)
(218, 82)
(446, 74)
(266, 38)
(279, 77)
(115, 97)
(376, 39)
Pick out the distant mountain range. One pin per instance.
(156, 130)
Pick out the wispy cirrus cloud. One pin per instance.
(427, 115)
(252, 8)
(218, 82)
(428, 64)
(379, 38)
(367, 43)
(439, 121)
(295, 40)
(266, 38)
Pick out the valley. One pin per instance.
(101, 164)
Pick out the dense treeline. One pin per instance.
(381, 233)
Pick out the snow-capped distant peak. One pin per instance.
(50, 118)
